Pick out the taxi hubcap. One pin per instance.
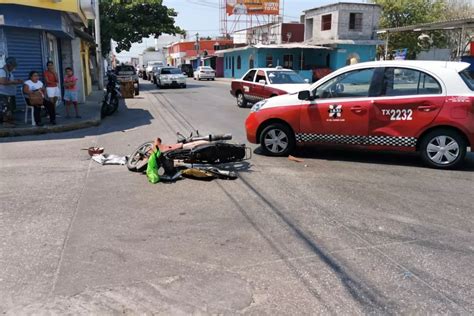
(276, 141)
(240, 98)
(443, 150)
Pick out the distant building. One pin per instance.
(37, 31)
(196, 54)
(349, 28)
(273, 33)
(328, 38)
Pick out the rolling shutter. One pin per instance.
(25, 46)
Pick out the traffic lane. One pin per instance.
(210, 105)
(389, 205)
(127, 230)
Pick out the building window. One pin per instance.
(239, 62)
(269, 61)
(326, 21)
(355, 21)
(288, 61)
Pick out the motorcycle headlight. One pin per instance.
(256, 107)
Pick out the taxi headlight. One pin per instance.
(256, 107)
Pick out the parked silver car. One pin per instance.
(204, 72)
(170, 77)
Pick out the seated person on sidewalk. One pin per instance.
(34, 96)
(70, 92)
(7, 92)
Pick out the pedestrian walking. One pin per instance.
(35, 96)
(52, 83)
(8, 86)
(70, 92)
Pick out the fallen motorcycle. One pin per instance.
(195, 149)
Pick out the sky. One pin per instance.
(202, 16)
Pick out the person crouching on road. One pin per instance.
(34, 96)
(52, 80)
(7, 92)
(70, 92)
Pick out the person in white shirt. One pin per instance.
(33, 88)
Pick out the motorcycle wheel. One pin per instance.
(114, 105)
(137, 162)
(104, 110)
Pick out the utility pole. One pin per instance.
(99, 60)
(197, 48)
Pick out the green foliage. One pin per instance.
(397, 13)
(127, 22)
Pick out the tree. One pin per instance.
(127, 22)
(459, 9)
(408, 12)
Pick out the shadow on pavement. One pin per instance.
(369, 157)
(124, 119)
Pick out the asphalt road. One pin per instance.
(343, 232)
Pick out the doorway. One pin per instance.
(233, 67)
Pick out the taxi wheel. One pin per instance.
(443, 149)
(241, 101)
(277, 140)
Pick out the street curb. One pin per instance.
(9, 132)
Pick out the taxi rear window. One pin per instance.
(468, 77)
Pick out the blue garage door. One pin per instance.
(25, 46)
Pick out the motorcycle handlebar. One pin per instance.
(209, 138)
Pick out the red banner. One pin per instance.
(253, 7)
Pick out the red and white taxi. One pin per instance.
(425, 106)
(263, 83)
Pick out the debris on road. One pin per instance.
(293, 158)
(94, 150)
(106, 159)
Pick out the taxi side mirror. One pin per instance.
(262, 82)
(305, 95)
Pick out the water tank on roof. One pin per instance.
(88, 8)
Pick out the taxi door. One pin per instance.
(340, 112)
(410, 100)
(248, 85)
(259, 87)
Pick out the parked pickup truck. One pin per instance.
(128, 72)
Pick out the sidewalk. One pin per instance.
(89, 111)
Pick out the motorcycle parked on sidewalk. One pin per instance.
(112, 96)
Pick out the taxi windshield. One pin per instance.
(283, 77)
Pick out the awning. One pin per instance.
(220, 53)
(85, 36)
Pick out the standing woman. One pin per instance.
(51, 79)
(33, 90)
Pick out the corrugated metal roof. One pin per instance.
(271, 46)
(440, 25)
